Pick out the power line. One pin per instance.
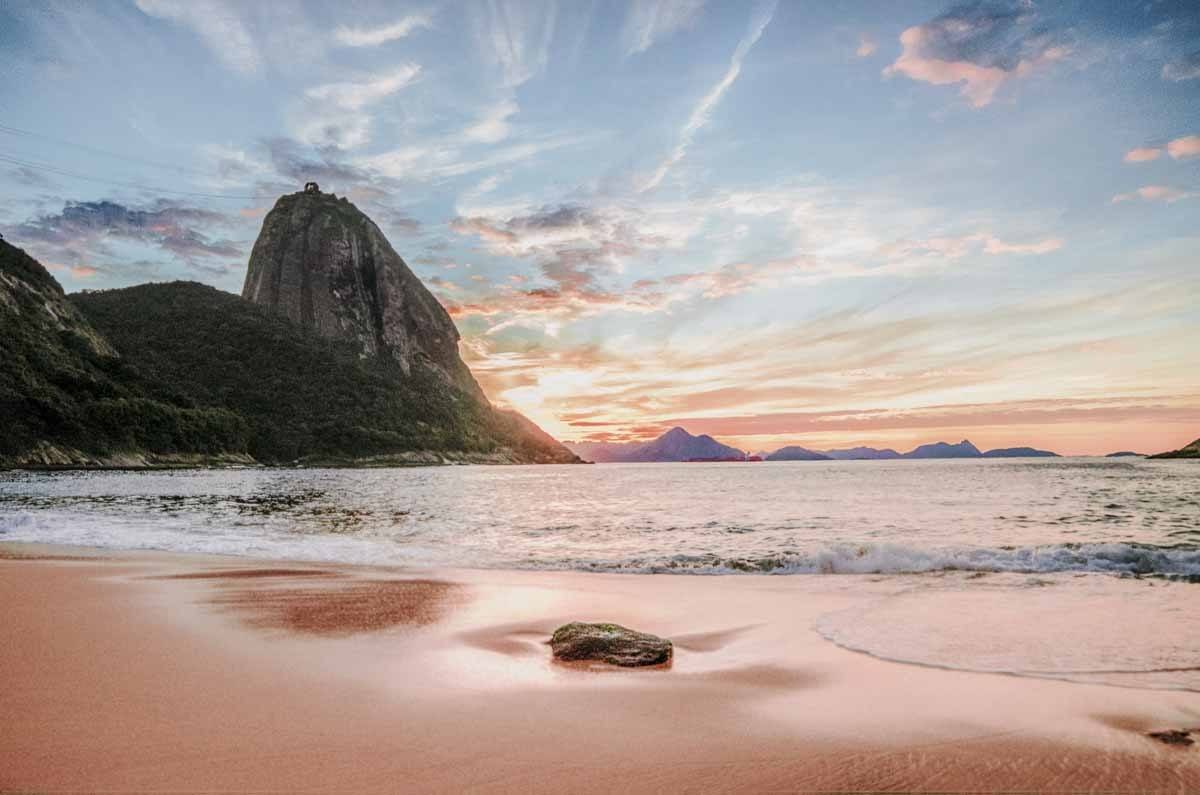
(16, 161)
(19, 133)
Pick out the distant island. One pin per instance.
(1189, 451)
(674, 445)
(1125, 454)
(679, 445)
(797, 454)
(334, 354)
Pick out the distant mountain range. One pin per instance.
(674, 445)
(797, 454)
(679, 445)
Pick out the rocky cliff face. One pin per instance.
(321, 262)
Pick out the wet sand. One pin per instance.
(157, 672)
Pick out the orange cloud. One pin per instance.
(1142, 154)
(1188, 146)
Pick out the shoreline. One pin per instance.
(153, 462)
(155, 670)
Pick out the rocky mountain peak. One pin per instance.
(321, 262)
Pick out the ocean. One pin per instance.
(1074, 568)
(1121, 516)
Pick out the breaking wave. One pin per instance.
(1181, 561)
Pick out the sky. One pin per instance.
(824, 224)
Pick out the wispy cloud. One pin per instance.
(979, 45)
(1185, 67)
(515, 35)
(218, 24)
(866, 46)
(373, 37)
(956, 247)
(334, 113)
(849, 370)
(1154, 193)
(702, 113)
(493, 125)
(649, 21)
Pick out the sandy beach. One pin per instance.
(164, 672)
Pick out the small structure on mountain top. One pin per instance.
(311, 187)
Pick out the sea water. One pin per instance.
(1075, 567)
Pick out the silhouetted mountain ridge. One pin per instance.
(679, 445)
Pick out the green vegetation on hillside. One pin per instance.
(303, 396)
(61, 382)
(182, 368)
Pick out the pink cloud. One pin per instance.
(1142, 154)
(1159, 193)
(997, 246)
(979, 81)
(1188, 146)
(961, 246)
(866, 46)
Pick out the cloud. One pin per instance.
(995, 246)
(216, 23)
(1178, 149)
(701, 114)
(515, 36)
(493, 126)
(981, 45)
(357, 94)
(1186, 67)
(963, 245)
(80, 231)
(575, 248)
(1160, 193)
(1142, 154)
(1188, 146)
(856, 366)
(76, 271)
(301, 164)
(866, 46)
(373, 37)
(967, 415)
(447, 157)
(333, 113)
(649, 21)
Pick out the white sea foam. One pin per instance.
(879, 558)
(1126, 632)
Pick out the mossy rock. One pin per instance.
(610, 643)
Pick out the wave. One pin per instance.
(1180, 561)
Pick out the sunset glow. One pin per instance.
(773, 223)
